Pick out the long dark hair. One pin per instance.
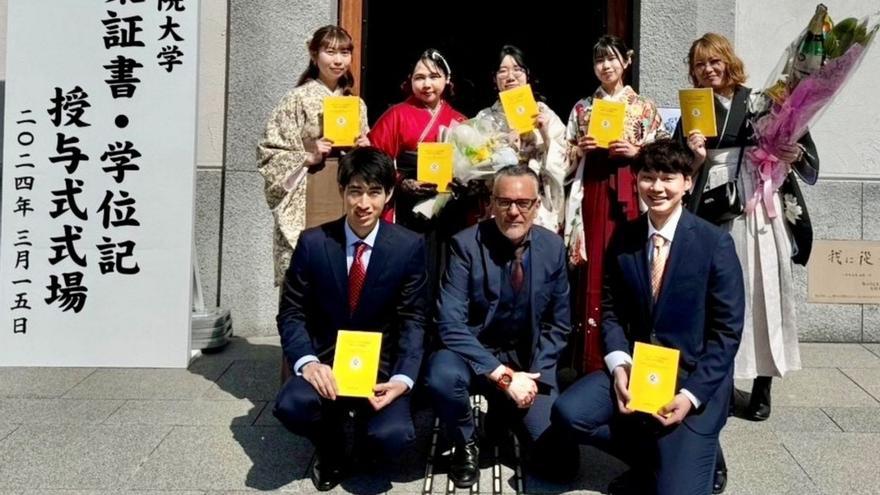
(519, 58)
(430, 57)
(329, 36)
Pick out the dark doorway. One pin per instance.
(557, 43)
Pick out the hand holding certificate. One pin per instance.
(653, 376)
(356, 362)
(342, 119)
(520, 108)
(606, 122)
(434, 164)
(698, 111)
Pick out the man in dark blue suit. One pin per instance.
(673, 280)
(503, 320)
(355, 273)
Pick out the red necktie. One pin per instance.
(356, 276)
(517, 275)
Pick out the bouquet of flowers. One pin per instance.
(809, 75)
(481, 147)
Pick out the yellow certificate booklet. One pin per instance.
(342, 119)
(356, 362)
(652, 379)
(606, 122)
(520, 108)
(434, 164)
(698, 111)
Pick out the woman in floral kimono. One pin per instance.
(422, 117)
(769, 345)
(603, 191)
(293, 146)
(544, 149)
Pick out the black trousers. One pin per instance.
(301, 410)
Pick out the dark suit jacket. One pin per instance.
(470, 292)
(314, 301)
(699, 311)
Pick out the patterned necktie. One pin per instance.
(356, 276)
(658, 264)
(517, 275)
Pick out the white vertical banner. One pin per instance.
(98, 183)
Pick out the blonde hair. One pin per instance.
(713, 44)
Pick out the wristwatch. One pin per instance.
(505, 379)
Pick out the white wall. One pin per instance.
(848, 134)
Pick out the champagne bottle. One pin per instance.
(811, 51)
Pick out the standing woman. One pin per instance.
(769, 345)
(603, 192)
(419, 118)
(293, 146)
(544, 149)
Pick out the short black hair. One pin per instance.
(666, 156)
(370, 164)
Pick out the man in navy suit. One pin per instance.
(355, 273)
(673, 280)
(503, 320)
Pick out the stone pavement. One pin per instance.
(209, 430)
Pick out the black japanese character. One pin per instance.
(67, 200)
(19, 325)
(71, 296)
(123, 210)
(73, 105)
(171, 56)
(23, 259)
(172, 4)
(68, 152)
(168, 29)
(119, 35)
(25, 182)
(21, 302)
(122, 81)
(865, 258)
(121, 155)
(834, 256)
(114, 260)
(23, 206)
(64, 246)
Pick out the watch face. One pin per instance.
(506, 379)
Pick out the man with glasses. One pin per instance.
(503, 318)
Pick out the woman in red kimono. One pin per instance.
(603, 192)
(422, 117)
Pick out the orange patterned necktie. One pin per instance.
(356, 276)
(658, 264)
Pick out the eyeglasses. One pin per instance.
(521, 204)
(504, 71)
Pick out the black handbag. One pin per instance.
(723, 203)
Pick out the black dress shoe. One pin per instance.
(719, 481)
(327, 472)
(760, 412)
(464, 469)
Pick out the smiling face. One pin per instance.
(333, 62)
(709, 70)
(515, 205)
(662, 192)
(363, 204)
(609, 67)
(428, 83)
(510, 75)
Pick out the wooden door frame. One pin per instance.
(351, 18)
